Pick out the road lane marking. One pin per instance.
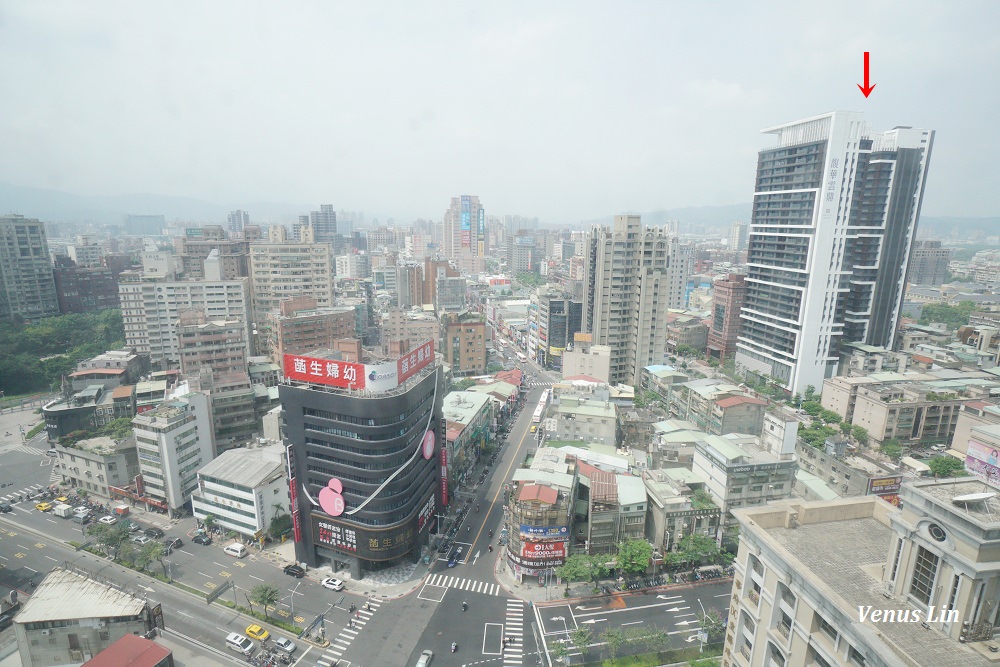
(205, 575)
(257, 578)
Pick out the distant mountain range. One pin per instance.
(58, 206)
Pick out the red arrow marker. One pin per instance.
(866, 90)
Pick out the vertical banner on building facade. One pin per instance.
(444, 475)
(293, 488)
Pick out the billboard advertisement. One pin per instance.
(882, 486)
(408, 364)
(466, 220)
(983, 461)
(348, 375)
(544, 532)
(543, 550)
(482, 222)
(444, 476)
(344, 374)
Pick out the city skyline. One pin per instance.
(564, 112)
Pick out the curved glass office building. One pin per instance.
(363, 458)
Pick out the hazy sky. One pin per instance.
(561, 110)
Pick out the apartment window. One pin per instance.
(855, 657)
(828, 629)
(895, 560)
(924, 573)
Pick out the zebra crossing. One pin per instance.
(24, 449)
(535, 383)
(513, 650)
(471, 585)
(339, 644)
(22, 494)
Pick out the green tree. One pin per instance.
(210, 521)
(462, 385)
(713, 625)
(812, 408)
(697, 549)
(615, 640)
(264, 595)
(946, 466)
(149, 553)
(559, 650)
(892, 448)
(582, 638)
(860, 434)
(581, 567)
(494, 367)
(810, 393)
(830, 417)
(954, 316)
(633, 556)
(117, 429)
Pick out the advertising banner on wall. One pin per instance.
(880, 486)
(983, 461)
(369, 543)
(544, 532)
(543, 550)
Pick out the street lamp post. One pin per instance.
(702, 634)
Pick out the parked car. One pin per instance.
(6, 507)
(202, 539)
(52, 452)
(108, 520)
(155, 533)
(333, 584)
(425, 658)
(133, 526)
(284, 644)
(142, 539)
(295, 570)
(257, 632)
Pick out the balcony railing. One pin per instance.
(746, 651)
(754, 597)
(784, 629)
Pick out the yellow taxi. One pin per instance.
(62, 499)
(43, 507)
(534, 428)
(256, 632)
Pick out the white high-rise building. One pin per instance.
(174, 440)
(283, 270)
(633, 275)
(151, 310)
(834, 215)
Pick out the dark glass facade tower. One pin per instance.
(374, 445)
(834, 216)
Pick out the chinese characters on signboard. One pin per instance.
(543, 550)
(411, 363)
(426, 512)
(349, 375)
(831, 183)
(544, 532)
(337, 536)
(293, 489)
(330, 372)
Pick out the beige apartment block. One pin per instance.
(857, 582)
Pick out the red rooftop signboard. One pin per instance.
(350, 375)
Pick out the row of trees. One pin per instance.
(634, 557)
(34, 357)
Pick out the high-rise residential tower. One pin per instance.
(27, 287)
(929, 264)
(834, 214)
(324, 224)
(464, 233)
(739, 233)
(633, 275)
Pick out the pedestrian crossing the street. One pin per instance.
(513, 631)
(343, 640)
(20, 495)
(470, 585)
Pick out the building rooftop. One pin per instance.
(631, 490)
(103, 445)
(737, 454)
(130, 651)
(124, 391)
(731, 401)
(246, 467)
(847, 556)
(98, 371)
(463, 406)
(560, 480)
(539, 492)
(64, 595)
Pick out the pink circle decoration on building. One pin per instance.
(429, 445)
(330, 498)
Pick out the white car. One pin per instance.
(285, 645)
(109, 520)
(333, 584)
(141, 540)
